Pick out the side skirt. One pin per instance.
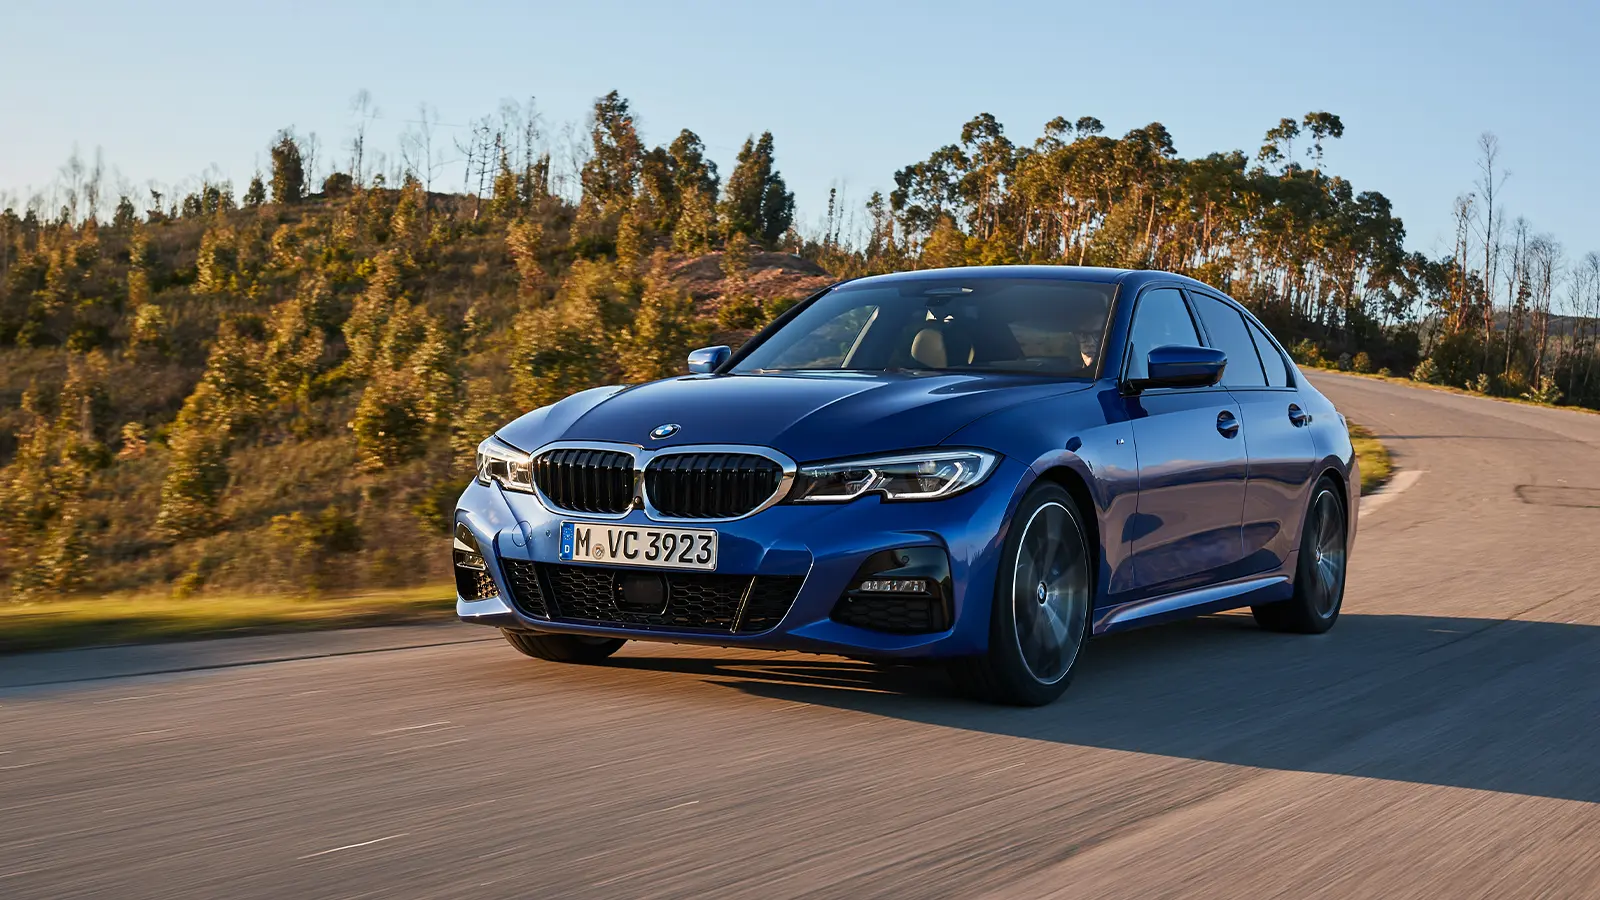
(1198, 602)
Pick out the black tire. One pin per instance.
(566, 648)
(1320, 572)
(1065, 582)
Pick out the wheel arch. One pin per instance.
(1333, 473)
(1349, 491)
(1076, 487)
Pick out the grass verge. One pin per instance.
(94, 621)
(1450, 389)
(1372, 456)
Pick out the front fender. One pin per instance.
(1083, 436)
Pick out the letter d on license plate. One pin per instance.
(635, 545)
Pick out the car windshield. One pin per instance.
(1045, 326)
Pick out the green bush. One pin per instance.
(1362, 363)
(739, 312)
(663, 330)
(302, 548)
(388, 424)
(1307, 353)
(561, 347)
(1426, 371)
(1546, 392)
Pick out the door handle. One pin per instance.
(1227, 424)
(1297, 416)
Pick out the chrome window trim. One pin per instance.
(643, 456)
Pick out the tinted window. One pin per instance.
(827, 343)
(1227, 331)
(1047, 326)
(1161, 319)
(1277, 369)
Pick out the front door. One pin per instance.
(1192, 463)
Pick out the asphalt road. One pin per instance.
(1442, 741)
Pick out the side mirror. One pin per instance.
(707, 360)
(1181, 367)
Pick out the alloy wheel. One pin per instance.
(1326, 585)
(1050, 592)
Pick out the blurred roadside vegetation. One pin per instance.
(103, 621)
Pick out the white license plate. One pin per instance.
(635, 545)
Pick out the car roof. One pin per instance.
(1132, 277)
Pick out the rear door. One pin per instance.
(1192, 462)
(1280, 447)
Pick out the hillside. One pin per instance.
(286, 397)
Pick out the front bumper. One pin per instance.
(824, 543)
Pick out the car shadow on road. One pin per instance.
(1475, 703)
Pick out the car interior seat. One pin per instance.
(942, 346)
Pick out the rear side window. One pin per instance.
(1161, 319)
(1277, 369)
(1226, 328)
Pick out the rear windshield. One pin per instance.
(1041, 325)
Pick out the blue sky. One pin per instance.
(851, 91)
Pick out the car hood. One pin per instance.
(808, 416)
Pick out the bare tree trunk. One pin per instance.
(363, 109)
(1489, 150)
(1516, 293)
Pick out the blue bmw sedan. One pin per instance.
(979, 467)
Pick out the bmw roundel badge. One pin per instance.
(661, 432)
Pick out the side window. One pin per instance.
(1277, 370)
(1161, 318)
(1227, 331)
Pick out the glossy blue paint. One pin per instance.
(809, 416)
(709, 359)
(1282, 458)
(1192, 513)
(1182, 367)
(1188, 528)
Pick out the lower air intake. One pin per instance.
(527, 593)
(895, 615)
(667, 601)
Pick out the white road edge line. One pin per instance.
(412, 728)
(1402, 480)
(354, 846)
(425, 746)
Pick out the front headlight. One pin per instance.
(913, 476)
(499, 461)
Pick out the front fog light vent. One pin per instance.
(904, 591)
(472, 575)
